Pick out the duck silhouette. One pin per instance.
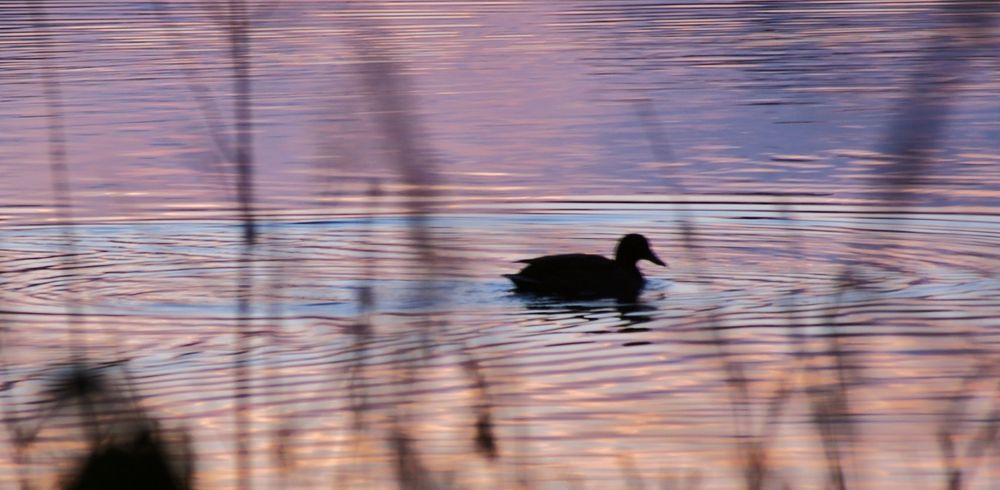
(586, 275)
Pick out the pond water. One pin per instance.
(827, 301)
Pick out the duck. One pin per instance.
(587, 275)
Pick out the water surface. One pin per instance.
(761, 175)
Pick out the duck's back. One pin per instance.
(575, 275)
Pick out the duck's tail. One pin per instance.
(522, 282)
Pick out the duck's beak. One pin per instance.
(654, 259)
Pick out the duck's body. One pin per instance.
(588, 276)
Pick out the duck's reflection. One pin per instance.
(636, 313)
(610, 316)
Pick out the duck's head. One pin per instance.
(633, 248)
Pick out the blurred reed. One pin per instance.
(59, 174)
(407, 150)
(238, 25)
